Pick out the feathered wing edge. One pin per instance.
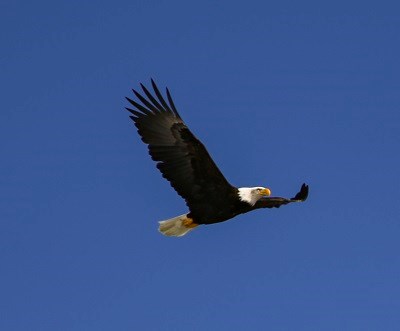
(276, 202)
(302, 195)
(153, 106)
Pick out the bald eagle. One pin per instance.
(185, 163)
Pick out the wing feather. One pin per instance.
(171, 102)
(151, 98)
(161, 99)
(148, 104)
(139, 107)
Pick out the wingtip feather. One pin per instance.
(303, 194)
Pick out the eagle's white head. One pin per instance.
(252, 194)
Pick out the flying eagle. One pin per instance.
(185, 163)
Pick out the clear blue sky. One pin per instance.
(280, 94)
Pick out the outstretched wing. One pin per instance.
(276, 202)
(181, 157)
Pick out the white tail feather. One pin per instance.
(175, 226)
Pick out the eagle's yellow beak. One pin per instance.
(265, 192)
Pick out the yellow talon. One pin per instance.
(189, 223)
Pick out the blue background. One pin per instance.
(280, 94)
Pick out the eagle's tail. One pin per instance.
(177, 226)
